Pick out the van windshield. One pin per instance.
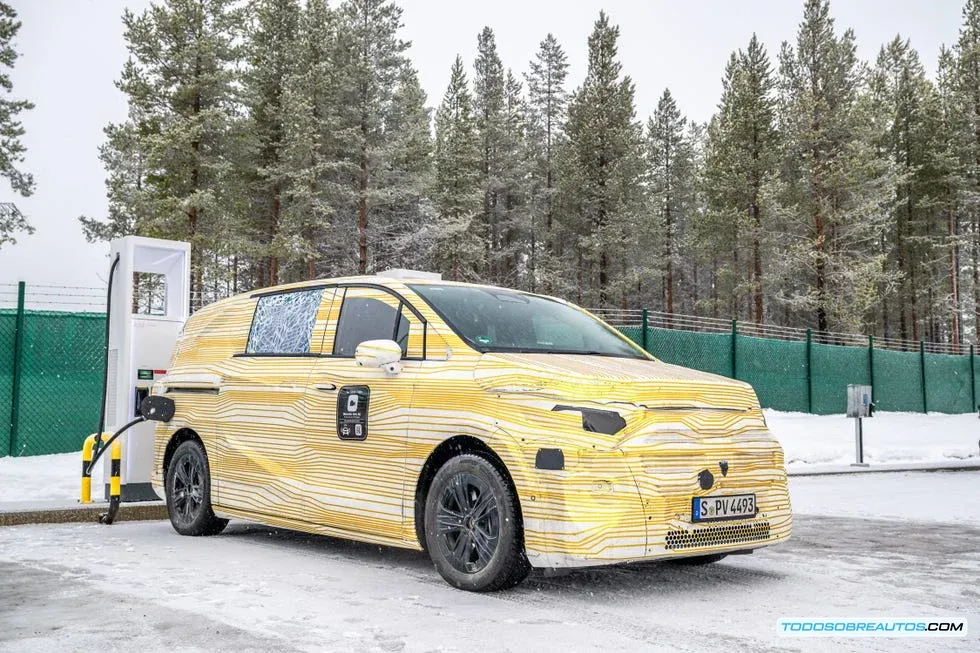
(499, 320)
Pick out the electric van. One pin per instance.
(497, 430)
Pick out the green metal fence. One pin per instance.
(51, 367)
(50, 375)
(812, 377)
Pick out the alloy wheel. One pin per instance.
(468, 522)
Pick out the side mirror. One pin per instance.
(157, 408)
(379, 353)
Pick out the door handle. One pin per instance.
(325, 387)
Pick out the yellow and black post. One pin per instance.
(87, 451)
(115, 473)
(115, 483)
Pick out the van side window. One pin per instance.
(410, 335)
(363, 318)
(283, 323)
(372, 314)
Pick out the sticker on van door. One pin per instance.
(352, 412)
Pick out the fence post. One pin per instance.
(809, 371)
(871, 366)
(973, 381)
(17, 371)
(734, 339)
(643, 334)
(922, 367)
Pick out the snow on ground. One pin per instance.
(952, 497)
(888, 437)
(45, 478)
(78, 586)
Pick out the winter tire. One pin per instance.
(188, 489)
(473, 530)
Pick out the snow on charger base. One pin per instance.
(496, 429)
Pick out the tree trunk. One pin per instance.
(362, 217)
(821, 275)
(273, 230)
(954, 276)
(603, 277)
(757, 260)
(976, 277)
(714, 287)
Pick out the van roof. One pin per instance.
(381, 281)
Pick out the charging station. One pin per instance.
(150, 300)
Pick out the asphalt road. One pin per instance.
(139, 586)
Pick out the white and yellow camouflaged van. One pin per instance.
(496, 429)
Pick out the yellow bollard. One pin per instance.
(114, 481)
(86, 473)
(115, 484)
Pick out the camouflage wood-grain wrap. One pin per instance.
(269, 426)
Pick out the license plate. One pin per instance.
(713, 508)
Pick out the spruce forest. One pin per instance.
(291, 139)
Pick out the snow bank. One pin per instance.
(888, 438)
(943, 497)
(46, 478)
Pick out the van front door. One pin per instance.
(359, 417)
(262, 428)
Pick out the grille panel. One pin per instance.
(717, 536)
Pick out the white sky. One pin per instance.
(72, 51)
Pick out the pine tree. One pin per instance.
(180, 83)
(11, 149)
(697, 254)
(407, 178)
(968, 92)
(458, 190)
(547, 109)
(488, 108)
(371, 59)
(600, 171)
(902, 94)
(514, 249)
(742, 160)
(836, 186)
(670, 187)
(945, 153)
(271, 55)
(123, 159)
(311, 147)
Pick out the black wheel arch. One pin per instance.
(447, 450)
(177, 439)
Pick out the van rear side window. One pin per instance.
(283, 323)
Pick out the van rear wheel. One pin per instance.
(188, 489)
(472, 526)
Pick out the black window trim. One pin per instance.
(402, 302)
(502, 350)
(272, 354)
(345, 285)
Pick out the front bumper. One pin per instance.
(634, 503)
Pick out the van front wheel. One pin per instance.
(188, 486)
(472, 526)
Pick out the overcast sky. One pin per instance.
(72, 51)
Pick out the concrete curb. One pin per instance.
(944, 466)
(89, 513)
